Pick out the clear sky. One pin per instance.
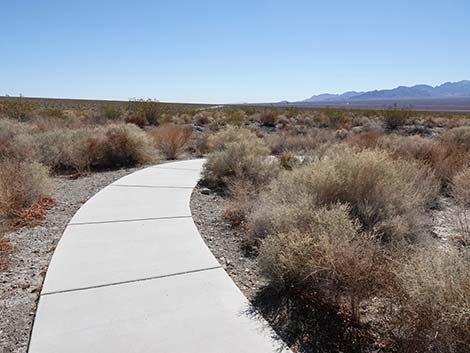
(228, 51)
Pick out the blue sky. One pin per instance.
(228, 51)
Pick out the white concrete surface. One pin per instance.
(132, 274)
(133, 250)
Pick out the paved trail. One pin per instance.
(132, 274)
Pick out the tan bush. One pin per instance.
(435, 307)
(112, 146)
(331, 258)
(459, 136)
(221, 139)
(171, 139)
(460, 187)
(283, 142)
(387, 196)
(238, 154)
(21, 185)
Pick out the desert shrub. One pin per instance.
(331, 259)
(268, 118)
(288, 142)
(136, 119)
(21, 185)
(171, 139)
(435, 305)
(395, 117)
(387, 196)
(53, 112)
(112, 112)
(334, 118)
(460, 187)
(124, 146)
(241, 200)
(199, 144)
(459, 136)
(79, 150)
(10, 146)
(149, 109)
(221, 139)
(17, 109)
(238, 153)
(236, 117)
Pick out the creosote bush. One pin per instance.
(171, 139)
(395, 117)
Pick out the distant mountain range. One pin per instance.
(447, 90)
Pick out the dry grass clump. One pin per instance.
(83, 149)
(387, 196)
(332, 258)
(434, 313)
(238, 153)
(290, 142)
(171, 139)
(21, 185)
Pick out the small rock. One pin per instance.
(205, 191)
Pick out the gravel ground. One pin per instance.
(33, 248)
(225, 241)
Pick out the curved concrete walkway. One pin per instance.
(132, 274)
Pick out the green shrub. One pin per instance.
(17, 109)
(148, 109)
(395, 117)
(112, 112)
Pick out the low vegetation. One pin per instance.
(337, 206)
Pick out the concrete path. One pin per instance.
(131, 274)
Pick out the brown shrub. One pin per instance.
(171, 139)
(112, 146)
(136, 119)
(331, 259)
(268, 118)
(21, 185)
(387, 196)
(149, 110)
(435, 314)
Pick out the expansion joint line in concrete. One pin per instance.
(128, 220)
(153, 186)
(132, 281)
